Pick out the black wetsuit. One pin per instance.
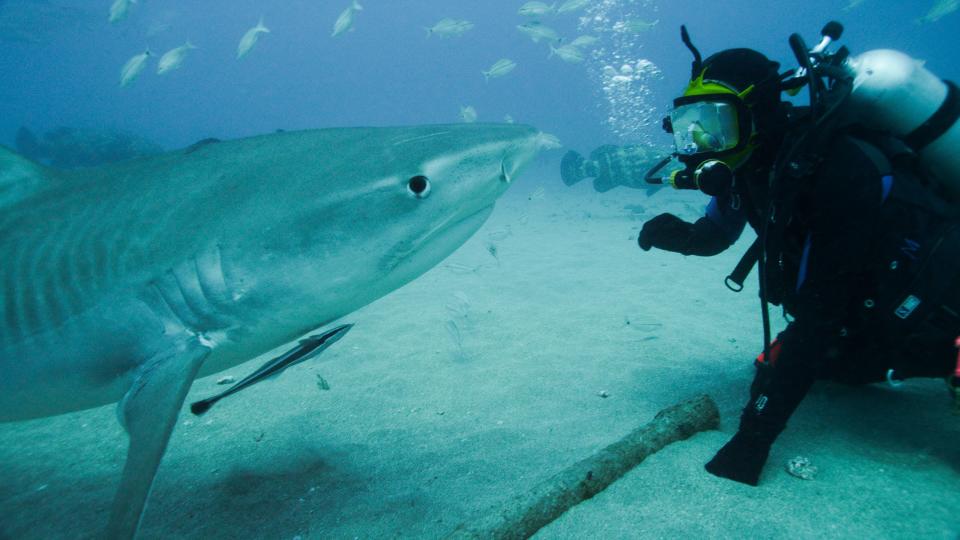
(852, 227)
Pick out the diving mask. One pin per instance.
(712, 134)
(709, 126)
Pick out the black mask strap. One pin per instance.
(697, 59)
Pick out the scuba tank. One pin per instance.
(886, 91)
(891, 93)
(894, 93)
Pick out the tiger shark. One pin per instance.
(125, 282)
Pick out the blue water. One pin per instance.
(409, 442)
(386, 71)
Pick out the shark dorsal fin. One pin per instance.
(19, 177)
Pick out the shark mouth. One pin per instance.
(435, 243)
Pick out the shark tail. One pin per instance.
(261, 27)
(356, 6)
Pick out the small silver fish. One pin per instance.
(131, 70)
(572, 5)
(173, 58)
(537, 31)
(536, 9)
(345, 20)
(498, 234)
(852, 4)
(634, 26)
(500, 68)
(584, 41)
(468, 114)
(461, 269)
(449, 28)
(158, 27)
(120, 9)
(547, 141)
(250, 39)
(939, 10)
(567, 53)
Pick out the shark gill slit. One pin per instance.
(189, 284)
(173, 299)
(29, 267)
(213, 283)
(62, 300)
(73, 259)
(44, 295)
(10, 328)
(185, 298)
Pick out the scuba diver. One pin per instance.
(857, 241)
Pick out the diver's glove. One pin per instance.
(667, 232)
(670, 233)
(742, 458)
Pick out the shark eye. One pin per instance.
(419, 186)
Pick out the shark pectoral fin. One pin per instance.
(149, 412)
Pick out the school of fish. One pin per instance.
(573, 51)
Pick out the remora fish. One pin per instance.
(250, 39)
(125, 282)
(306, 349)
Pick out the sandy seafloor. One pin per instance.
(414, 437)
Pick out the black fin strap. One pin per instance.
(938, 124)
(735, 280)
